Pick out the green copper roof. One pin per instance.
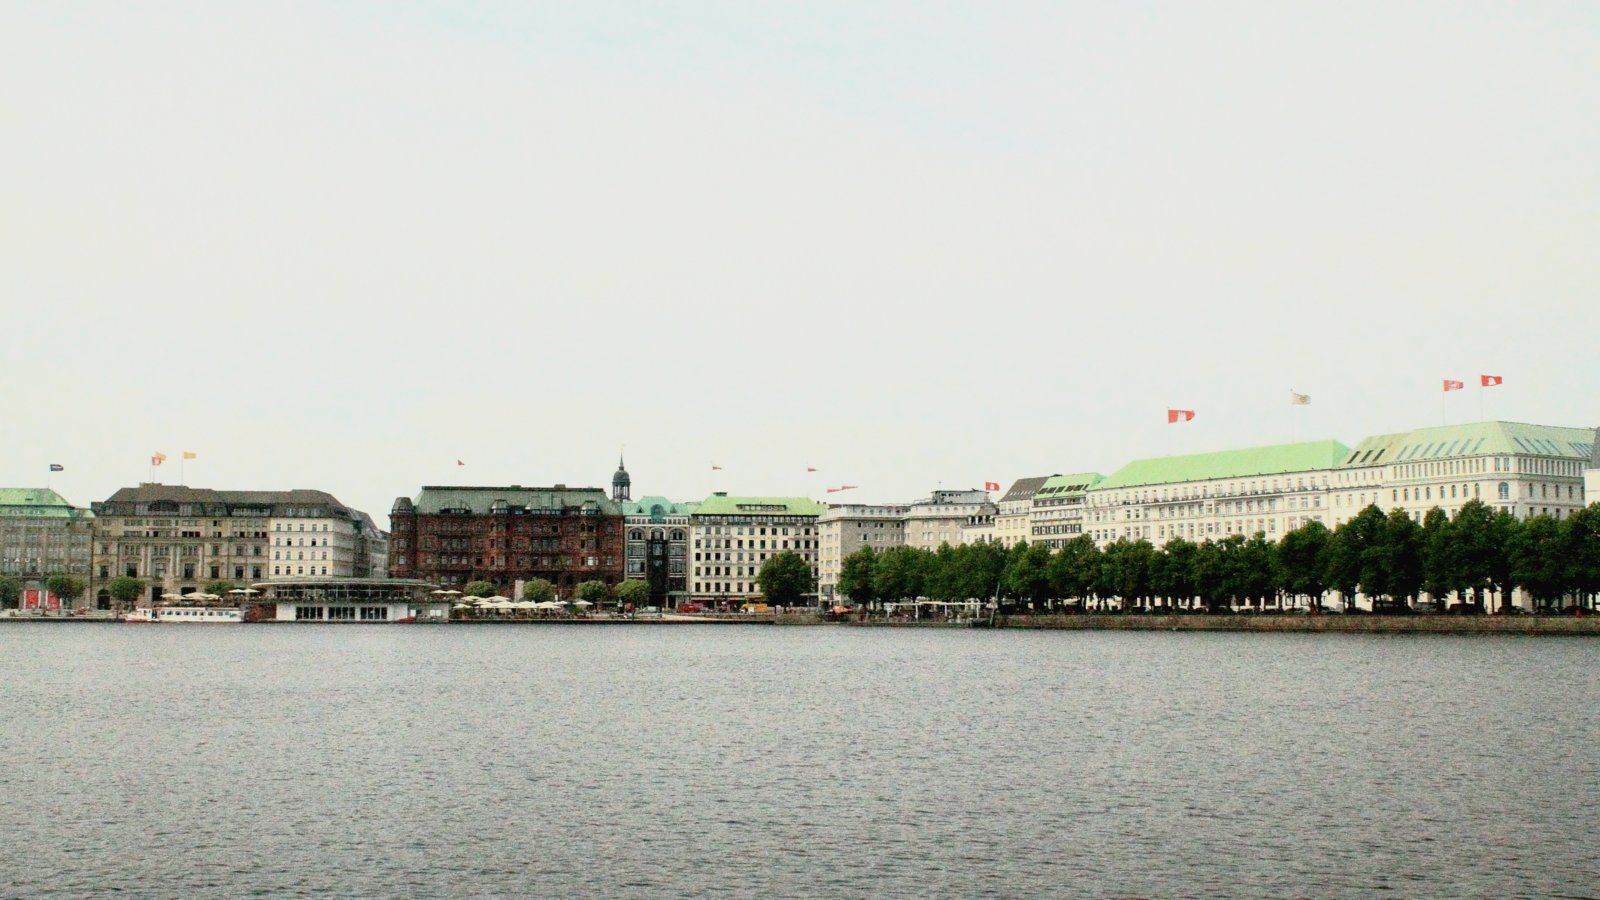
(1275, 460)
(1474, 439)
(721, 505)
(645, 506)
(1056, 485)
(36, 503)
(480, 500)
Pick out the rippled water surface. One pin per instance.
(742, 761)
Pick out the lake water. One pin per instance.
(771, 761)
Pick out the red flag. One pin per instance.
(811, 468)
(991, 485)
(843, 487)
(1450, 384)
(1489, 380)
(460, 463)
(157, 460)
(1179, 415)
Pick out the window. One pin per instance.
(1505, 491)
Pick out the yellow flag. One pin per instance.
(189, 454)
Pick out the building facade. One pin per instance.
(845, 529)
(944, 516)
(178, 538)
(326, 542)
(732, 537)
(1208, 496)
(1057, 511)
(450, 536)
(42, 535)
(1013, 513)
(658, 547)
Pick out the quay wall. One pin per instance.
(1336, 623)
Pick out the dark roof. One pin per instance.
(221, 502)
(480, 500)
(1023, 488)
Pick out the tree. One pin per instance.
(786, 579)
(1172, 572)
(10, 592)
(978, 571)
(1440, 571)
(1475, 558)
(539, 590)
(1125, 570)
(1352, 557)
(219, 587)
(480, 589)
(66, 587)
(594, 591)
(636, 592)
(124, 589)
(855, 577)
(1538, 560)
(1581, 537)
(944, 571)
(1211, 574)
(1301, 561)
(897, 574)
(1074, 569)
(1399, 554)
(1254, 577)
(1027, 573)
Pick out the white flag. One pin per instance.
(1299, 399)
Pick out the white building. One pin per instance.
(942, 518)
(370, 600)
(1057, 511)
(1591, 475)
(845, 529)
(1013, 513)
(732, 537)
(325, 540)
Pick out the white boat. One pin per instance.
(199, 615)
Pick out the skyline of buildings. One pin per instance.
(178, 538)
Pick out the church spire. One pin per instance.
(620, 482)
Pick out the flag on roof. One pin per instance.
(1179, 415)
(991, 485)
(190, 454)
(1299, 399)
(1489, 380)
(1450, 384)
(57, 467)
(158, 458)
(842, 487)
(811, 468)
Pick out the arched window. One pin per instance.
(1505, 491)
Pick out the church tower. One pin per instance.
(620, 483)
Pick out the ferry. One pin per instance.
(200, 615)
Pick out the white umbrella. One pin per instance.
(581, 603)
(526, 604)
(170, 596)
(547, 604)
(462, 606)
(196, 596)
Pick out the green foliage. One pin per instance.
(899, 573)
(977, 572)
(1439, 557)
(219, 587)
(480, 589)
(636, 592)
(1125, 570)
(124, 589)
(1172, 574)
(1075, 568)
(1301, 561)
(10, 592)
(1539, 560)
(786, 579)
(539, 590)
(1399, 557)
(1027, 573)
(1581, 543)
(1353, 557)
(594, 591)
(855, 577)
(67, 587)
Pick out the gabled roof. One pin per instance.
(39, 503)
(1273, 460)
(1057, 485)
(723, 505)
(644, 506)
(1473, 439)
(1023, 488)
(435, 499)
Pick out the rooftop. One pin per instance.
(435, 499)
(1023, 488)
(1056, 485)
(39, 503)
(1473, 439)
(724, 505)
(1271, 460)
(646, 506)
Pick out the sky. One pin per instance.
(343, 245)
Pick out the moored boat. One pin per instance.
(199, 615)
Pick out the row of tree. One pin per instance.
(1392, 559)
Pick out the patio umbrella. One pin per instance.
(581, 603)
(547, 604)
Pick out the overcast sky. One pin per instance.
(340, 246)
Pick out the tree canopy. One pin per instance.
(539, 590)
(480, 589)
(786, 579)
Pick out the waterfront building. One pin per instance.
(1526, 470)
(1013, 513)
(1207, 496)
(1591, 475)
(178, 538)
(943, 516)
(326, 541)
(732, 537)
(846, 528)
(658, 546)
(979, 528)
(42, 535)
(368, 600)
(452, 535)
(1057, 508)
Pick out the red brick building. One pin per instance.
(453, 535)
